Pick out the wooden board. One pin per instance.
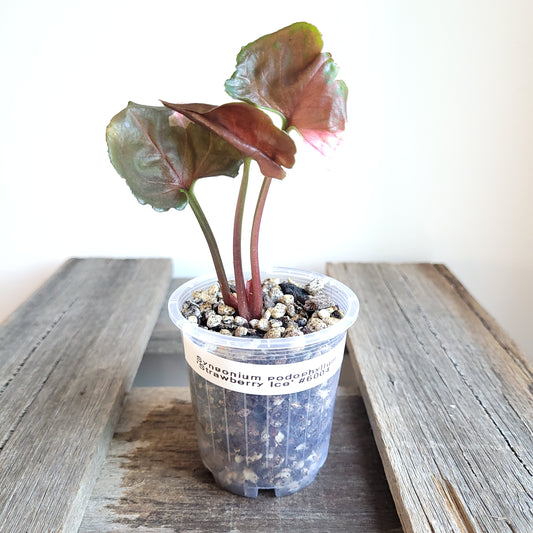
(450, 400)
(67, 357)
(153, 479)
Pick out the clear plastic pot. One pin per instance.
(264, 407)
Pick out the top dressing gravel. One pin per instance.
(288, 310)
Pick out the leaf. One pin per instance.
(287, 72)
(249, 130)
(160, 162)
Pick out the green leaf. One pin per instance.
(249, 130)
(287, 72)
(160, 162)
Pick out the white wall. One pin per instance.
(436, 166)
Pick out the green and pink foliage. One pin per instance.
(162, 151)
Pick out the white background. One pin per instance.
(436, 164)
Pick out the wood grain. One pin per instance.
(449, 396)
(153, 479)
(67, 357)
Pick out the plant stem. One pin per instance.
(242, 299)
(256, 296)
(228, 297)
(256, 292)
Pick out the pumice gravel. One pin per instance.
(289, 310)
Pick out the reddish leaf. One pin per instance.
(249, 130)
(287, 72)
(160, 162)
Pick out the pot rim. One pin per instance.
(331, 287)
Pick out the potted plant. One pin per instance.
(264, 353)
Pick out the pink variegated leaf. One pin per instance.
(287, 72)
(248, 129)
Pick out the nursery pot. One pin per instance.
(264, 407)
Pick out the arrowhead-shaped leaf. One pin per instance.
(159, 161)
(287, 72)
(249, 130)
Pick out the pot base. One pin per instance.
(252, 491)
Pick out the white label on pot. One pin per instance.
(250, 378)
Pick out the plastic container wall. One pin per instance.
(278, 439)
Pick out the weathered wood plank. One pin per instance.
(153, 478)
(67, 357)
(449, 397)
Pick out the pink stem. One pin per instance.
(256, 293)
(242, 300)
